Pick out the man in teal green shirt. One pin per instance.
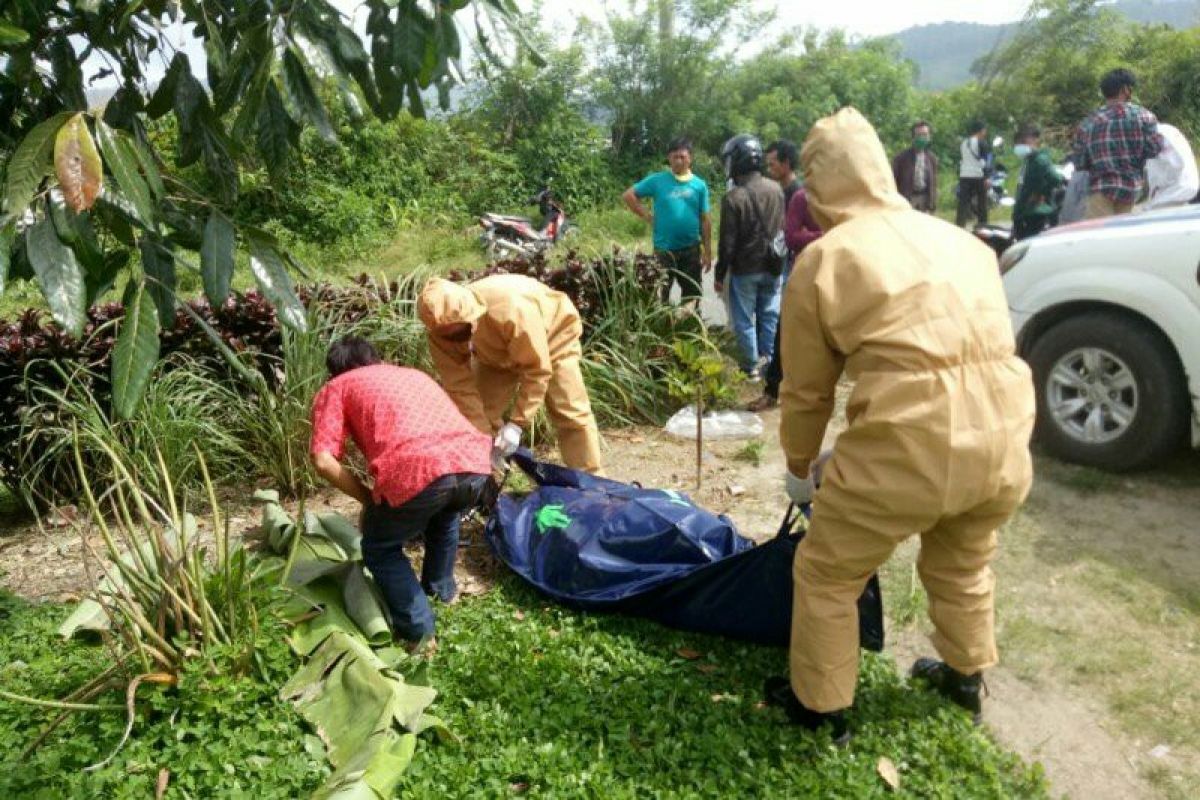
(680, 219)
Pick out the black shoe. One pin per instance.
(962, 690)
(779, 693)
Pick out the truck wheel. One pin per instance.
(1110, 392)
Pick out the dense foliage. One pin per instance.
(215, 734)
(252, 414)
(113, 194)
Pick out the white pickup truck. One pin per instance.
(1107, 313)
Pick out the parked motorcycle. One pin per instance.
(1000, 237)
(506, 236)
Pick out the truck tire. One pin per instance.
(1110, 392)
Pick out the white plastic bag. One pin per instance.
(716, 424)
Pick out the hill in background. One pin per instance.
(945, 51)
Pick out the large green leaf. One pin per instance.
(58, 275)
(11, 35)
(244, 124)
(222, 169)
(192, 111)
(77, 164)
(123, 162)
(272, 278)
(163, 98)
(7, 234)
(216, 257)
(373, 772)
(146, 161)
(30, 163)
(277, 131)
(244, 68)
(158, 264)
(136, 352)
(304, 97)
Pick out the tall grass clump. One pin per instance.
(272, 417)
(168, 597)
(628, 354)
(184, 405)
(392, 325)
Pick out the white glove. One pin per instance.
(800, 490)
(507, 440)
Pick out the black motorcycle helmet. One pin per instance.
(741, 154)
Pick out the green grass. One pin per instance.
(555, 703)
(547, 702)
(751, 452)
(222, 736)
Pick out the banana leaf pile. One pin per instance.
(349, 689)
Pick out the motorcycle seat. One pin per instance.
(507, 219)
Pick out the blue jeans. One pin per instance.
(434, 514)
(754, 312)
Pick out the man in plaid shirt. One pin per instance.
(1114, 144)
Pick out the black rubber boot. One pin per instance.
(962, 690)
(779, 693)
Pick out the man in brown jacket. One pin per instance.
(916, 170)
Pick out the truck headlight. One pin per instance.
(1012, 256)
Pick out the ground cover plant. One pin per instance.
(561, 704)
(544, 700)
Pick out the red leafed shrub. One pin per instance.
(575, 278)
(32, 344)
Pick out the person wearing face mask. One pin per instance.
(1115, 143)
(912, 310)
(680, 220)
(1035, 209)
(915, 170)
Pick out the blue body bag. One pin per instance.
(598, 544)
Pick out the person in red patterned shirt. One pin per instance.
(428, 464)
(1114, 144)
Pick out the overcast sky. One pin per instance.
(862, 17)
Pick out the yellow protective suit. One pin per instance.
(912, 310)
(525, 340)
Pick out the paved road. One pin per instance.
(712, 307)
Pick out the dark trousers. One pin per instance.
(1024, 227)
(682, 267)
(972, 201)
(433, 514)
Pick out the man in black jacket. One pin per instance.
(751, 252)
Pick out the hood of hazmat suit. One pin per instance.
(913, 310)
(521, 327)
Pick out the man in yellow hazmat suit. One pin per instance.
(912, 310)
(508, 334)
